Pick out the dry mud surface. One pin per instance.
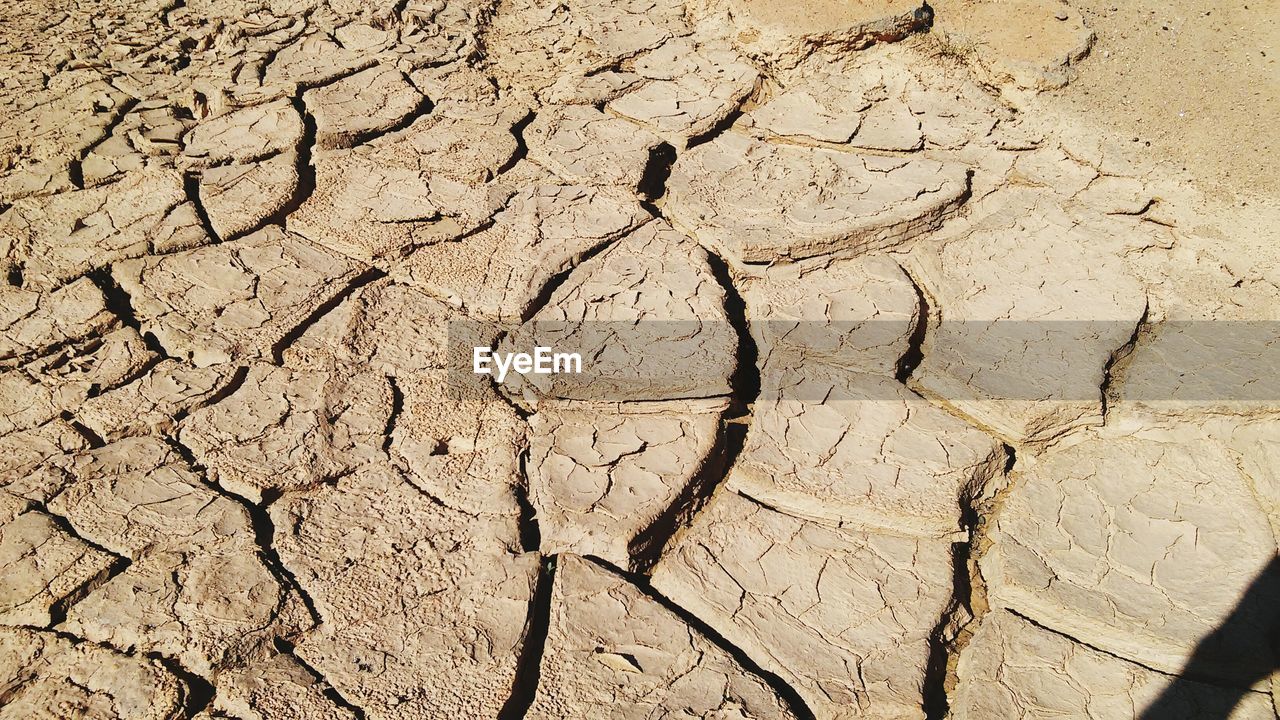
(909, 392)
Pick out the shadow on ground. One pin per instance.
(1229, 660)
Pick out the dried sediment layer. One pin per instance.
(1013, 668)
(1109, 541)
(422, 608)
(760, 202)
(194, 587)
(233, 301)
(44, 565)
(44, 674)
(647, 313)
(57, 239)
(844, 617)
(602, 474)
(241, 474)
(785, 35)
(686, 91)
(584, 145)
(612, 650)
(1035, 306)
(427, 183)
(860, 450)
(500, 272)
(37, 392)
(864, 321)
(34, 322)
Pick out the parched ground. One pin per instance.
(919, 383)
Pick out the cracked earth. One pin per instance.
(906, 397)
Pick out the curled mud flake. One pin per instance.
(540, 46)
(44, 566)
(687, 92)
(1022, 45)
(361, 106)
(393, 329)
(647, 316)
(207, 608)
(1041, 300)
(23, 453)
(246, 135)
(61, 382)
(154, 403)
(864, 321)
(241, 198)
(758, 202)
(278, 686)
(797, 114)
(137, 493)
(584, 145)
(784, 36)
(860, 450)
(197, 589)
(60, 238)
(284, 429)
(314, 60)
(151, 132)
(46, 130)
(844, 617)
(33, 322)
(426, 184)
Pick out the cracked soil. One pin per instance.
(914, 387)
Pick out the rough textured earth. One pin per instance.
(908, 390)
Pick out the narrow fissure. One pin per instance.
(522, 149)
(914, 354)
(934, 695)
(191, 184)
(397, 407)
(119, 563)
(94, 439)
(424, 107)
(58, 611)
(645, 549)
(1119, 361)
(653, 181)
(197, 693)
(650, 543)
(529, 664)
(120, 304)
(284, 647)
(260, 521)
(556, 281)
(303, 167)
(75, 168)
(280, 346)
(530, 531)
(227, 390)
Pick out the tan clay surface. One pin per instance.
(928, 360)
